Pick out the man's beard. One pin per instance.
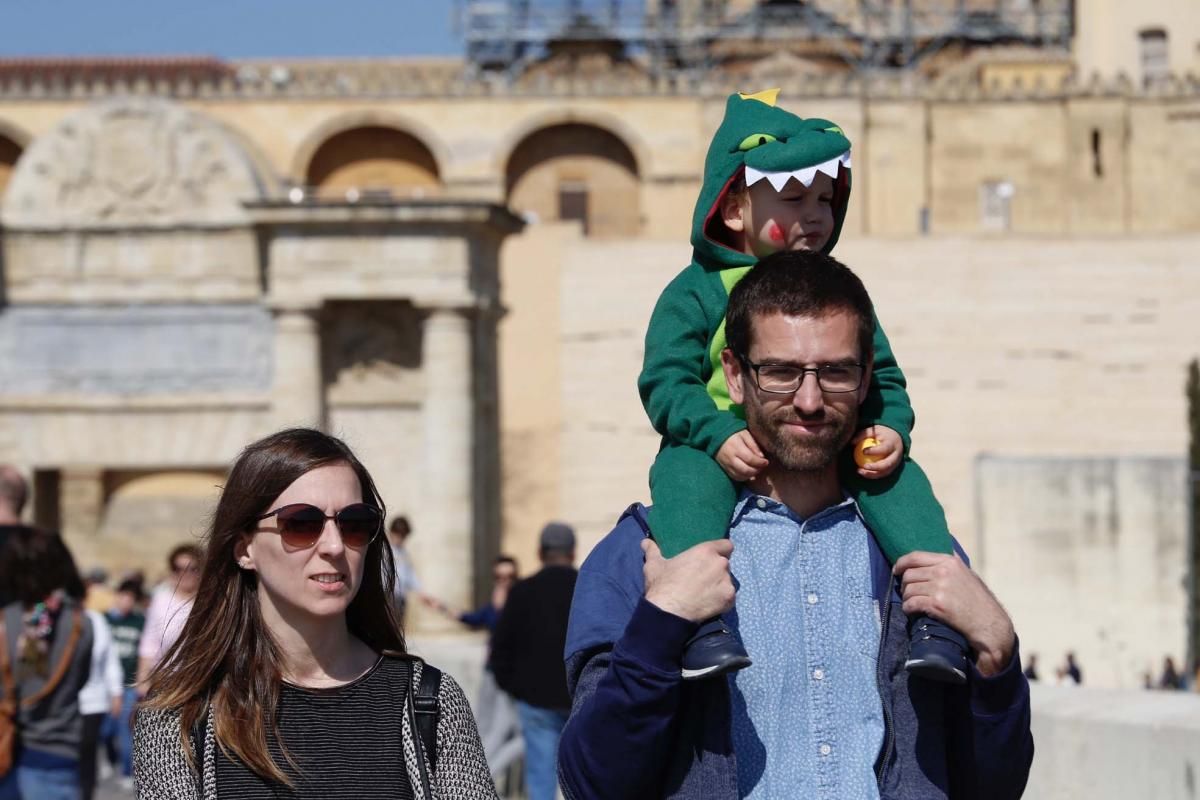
(816, 451)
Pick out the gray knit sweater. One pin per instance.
(161, 770)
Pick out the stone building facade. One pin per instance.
(198, 252)
(166, 304)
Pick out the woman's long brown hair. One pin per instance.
(225, 660)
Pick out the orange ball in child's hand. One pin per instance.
(863, 458)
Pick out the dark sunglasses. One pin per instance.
(301, 524)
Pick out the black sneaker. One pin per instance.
(713, 651)
(936, 651)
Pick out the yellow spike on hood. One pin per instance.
(768, 96)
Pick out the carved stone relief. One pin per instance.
(131, 163)
(372, 353)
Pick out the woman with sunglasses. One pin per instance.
(290, 678)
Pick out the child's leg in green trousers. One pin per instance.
(693, 503)
(904, 516)
(693, 499)
(900, 510)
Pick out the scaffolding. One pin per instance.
(685, 35)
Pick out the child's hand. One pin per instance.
(741, 457)
(885, 455)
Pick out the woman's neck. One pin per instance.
(317, 652)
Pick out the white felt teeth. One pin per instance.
(805, 175)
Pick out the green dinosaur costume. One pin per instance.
(683, 386)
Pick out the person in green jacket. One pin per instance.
(772, 181)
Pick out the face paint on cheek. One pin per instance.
(775, 233)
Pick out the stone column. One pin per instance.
(81, 508)
(442, 544)
(297, 391)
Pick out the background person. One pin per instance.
(1070, 670)
(494, 709)
(1171, 678)
(99, 595)
(99, 699)
(504, 575)
(291, 677)
(126, 621)
(527, 655)
(47, 648)
(169, 608)
(406, 582)
(13, 493)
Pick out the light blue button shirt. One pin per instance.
(807, 718)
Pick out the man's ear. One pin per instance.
(732, 212)
(865, 386)
(733, 375)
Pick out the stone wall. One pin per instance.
(1089, 555)
(1094, 744)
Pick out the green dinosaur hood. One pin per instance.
(757, 135)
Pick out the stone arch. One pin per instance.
(13, 142)
(370, 149)
(133, 163)
(147, 512)
(597, 119)
(576, 170)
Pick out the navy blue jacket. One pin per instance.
(637, 730)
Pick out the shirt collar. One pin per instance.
(749, 501)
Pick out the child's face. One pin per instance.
(796, 218)
(124, 602)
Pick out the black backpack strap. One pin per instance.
(199, 734)
(421, 708)
(425, 706)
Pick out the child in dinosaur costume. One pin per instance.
(766, 165)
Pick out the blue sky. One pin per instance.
(227, 28)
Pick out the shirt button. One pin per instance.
(826, 749)
(812, 598)
(761, 503)
(819, 673)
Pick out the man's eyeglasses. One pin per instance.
(190, 566)
(300, 524)
(787, 379)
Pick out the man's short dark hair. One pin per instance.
(798, 283)
(400, 526)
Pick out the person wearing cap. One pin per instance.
(527, 655)
(100, 597)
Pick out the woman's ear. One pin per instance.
(242, 554)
